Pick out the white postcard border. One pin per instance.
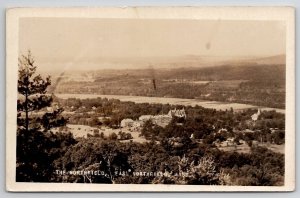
(197, 13)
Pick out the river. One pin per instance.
(172, 101)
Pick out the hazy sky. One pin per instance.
(89, 40)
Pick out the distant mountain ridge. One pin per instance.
(272, 60)
(192, 61)
(220, 60)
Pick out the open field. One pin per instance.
(172, 101)
(274, 147)
(83, 131)
(226, 83)
(244, 148)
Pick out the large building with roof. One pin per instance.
(160, 120)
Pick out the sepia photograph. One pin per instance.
(150, 99)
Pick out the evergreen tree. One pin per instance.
(35, 118)
(32, 98)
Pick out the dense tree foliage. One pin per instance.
(153, 163)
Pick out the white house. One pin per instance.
(144, 118)
(127, 123)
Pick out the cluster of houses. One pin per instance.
(160, 120)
